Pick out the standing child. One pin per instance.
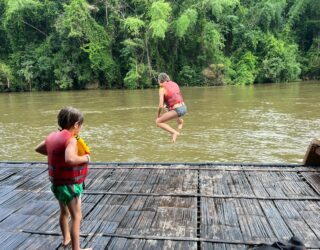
(67, 172)
(170, 95)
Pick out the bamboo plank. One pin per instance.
(312, 218)
(138, 203)
(40, 242)
(178, 245)
(178, 202)
(116, 243)
(134, 244)
(14, 240)
(128, 222)
(260, 229)
(215, 246)
(144, 223)
(40, 208)
(256, 185)
(290, 213)
(97, 242)
(52, 224)
(314, 180)
(34, 222)
(5, 190)
(17, 199)
(215, 183)
(13, 222)
(275, 220)
(248, 207)
(5, 212)
(180, 222)
(154, 244)
(151, 180)
(86, 198)
(220, 219)
(167, 206)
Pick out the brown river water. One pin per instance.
(268, 123)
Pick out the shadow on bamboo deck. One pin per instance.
(166, 206)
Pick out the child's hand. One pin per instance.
(88, 157)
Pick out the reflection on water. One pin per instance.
(263, 124)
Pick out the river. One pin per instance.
(267, 123)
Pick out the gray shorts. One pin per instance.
(181, 111)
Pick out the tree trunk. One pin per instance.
(148, 57)
(107, 22)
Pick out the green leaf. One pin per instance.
(187, 19)
(134, 25)
(159, 13)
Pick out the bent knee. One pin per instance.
(157, 122)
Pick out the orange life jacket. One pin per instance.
(173, 95)
(61, 173)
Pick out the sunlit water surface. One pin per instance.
(260, 124)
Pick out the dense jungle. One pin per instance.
(78, 44)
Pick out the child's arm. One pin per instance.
(161, 101)
(41, 148)
(71, 155)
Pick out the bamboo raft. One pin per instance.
(166, 206)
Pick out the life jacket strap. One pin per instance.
(67, 168)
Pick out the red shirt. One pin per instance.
(173, 94)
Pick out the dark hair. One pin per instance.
(163, 77)
(68, 116)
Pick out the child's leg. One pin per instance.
(166, 117)
(180, 123)
(63, 221)
(76, 216)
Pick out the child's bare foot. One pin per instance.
(180, 124)
(66, 244)
(63, 246)
(174, 137)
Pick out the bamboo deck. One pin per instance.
(166, 206)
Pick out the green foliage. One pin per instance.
(295, 12)
(20, 21)
(218, 6)
(269, 14)
(5, 76)
(67, 44)
(246, 69)
(185, 21)
(78, 24)
(18, 5)
(136, 76)
(313, 60)
(159, 13)
(188, 76)
(212, 41)
(133, 25)
(135, 71)
(280, 62)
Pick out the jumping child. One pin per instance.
(67, 172)
(170, 95)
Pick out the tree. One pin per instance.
(67, 44)
(5, 75)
